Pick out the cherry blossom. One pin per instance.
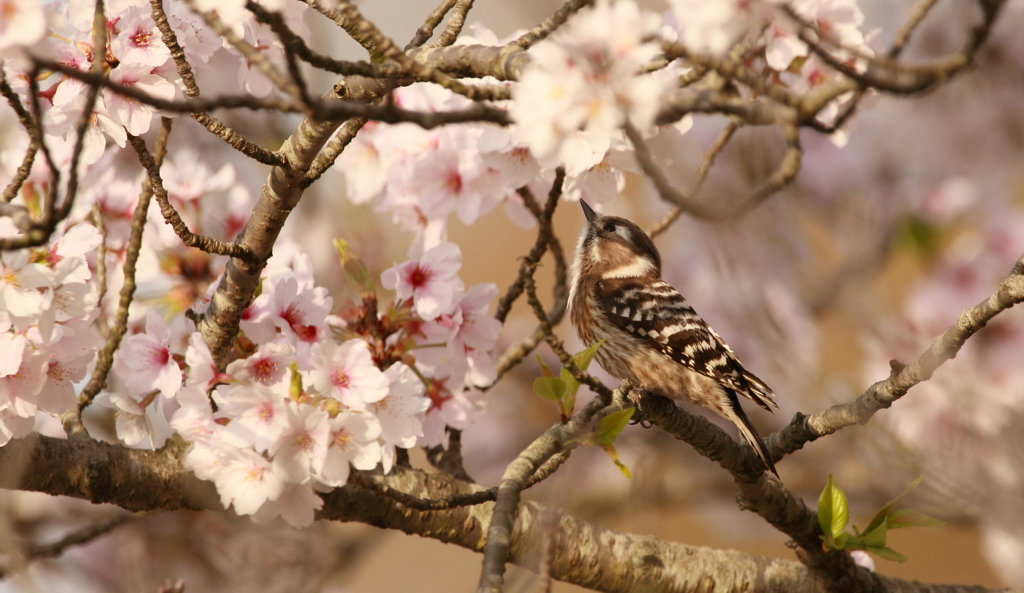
(20, 282)
(257, 413)
(297, 505)
(244, 479)
(187, 177)
(400, 413)
(302, 448)
(353, 440)
(268, 365)
(136, 422)
(584, 78)
(146, 362)
(13, 426)
(297, 314)
(194, 418)
(431, 281)
(24, 24)
(139, 41)
(346, 372)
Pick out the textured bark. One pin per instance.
(582, 553)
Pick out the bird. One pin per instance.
(652, 336)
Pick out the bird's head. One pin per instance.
(614, 247)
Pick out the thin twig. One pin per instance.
(426, 30)
(804, 429)
(786, 171)
(455, 24)
(556, 20)
(215, 126)
(559, 437)
(33, 551)
(105, 359)
(251, 54)
(702, 173)
(173, 219)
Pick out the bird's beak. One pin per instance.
(588, 211)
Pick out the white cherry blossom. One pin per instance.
(346, 373)
(353, 441)
(258, 414)
(302, 448)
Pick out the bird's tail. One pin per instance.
(750, 433)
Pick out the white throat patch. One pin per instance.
(641, 266)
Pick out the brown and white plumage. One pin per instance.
(652, 335)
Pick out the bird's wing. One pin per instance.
(656, 313)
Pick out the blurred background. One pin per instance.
(870, 254)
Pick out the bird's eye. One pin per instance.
(609, 227)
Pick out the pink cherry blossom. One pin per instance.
(202, 369)
(455, 178)
(302, 447)
(268, 366)
(297, 505)
(353, 440)
(346, 372)
(194, 418)
(400, 414)
(584, 77)
(20, 282)
(187, 177)
(13, 426)
(19, 390)
(297, 314)
(245, 479)
(130, 113)
(431, 281)
(146, 362)
(139, 41)
(24, 24)
(136, 424)
(258, 414)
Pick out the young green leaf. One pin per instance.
(889, 506)
(612, 424)
(583, 357)
(874, 538)
(911, 518)
(356, 272)
(545, 370)
(551, 388)
(888, 554)
(295, 385)
(833, 511)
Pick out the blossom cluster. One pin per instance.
(47, 305)
(135, 56)
(307, 399)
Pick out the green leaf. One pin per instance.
(833, 511)
(911, 518)
(880, 516)
(875, 538)
(612, 424)
(545, 370)
(295, 385)
(888, 554)
(622, 467)
(585, 356)
(918, 234)
(356, 272)
(551, 388)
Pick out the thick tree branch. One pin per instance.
(154, 480)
